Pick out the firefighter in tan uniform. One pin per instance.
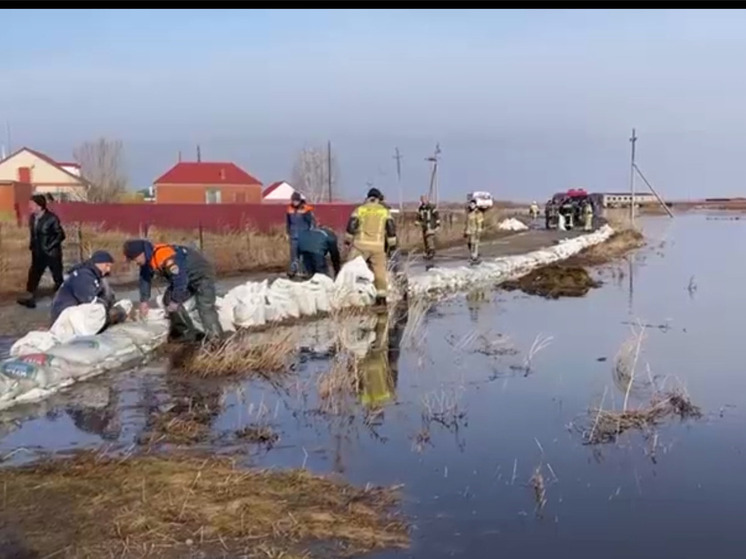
(372, 233)
(587, 216)
(473, 230)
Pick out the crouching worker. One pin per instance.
(313, 245)
(188, 273)
(372, 232)
(86, 283)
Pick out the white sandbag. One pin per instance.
(281, 297)
(126, 305)
(354, 285)
(94, 350)
(34, 342)
(323, 291)
(305, 294)
(81, 320)
(145, 334)
(512, 224)
(225, 315)
(38, 370)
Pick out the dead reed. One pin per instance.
(171, 507)
(661, 404)
(239, 355)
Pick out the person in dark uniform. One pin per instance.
(299, 218)
(86, 283)
(313, 245)
(189, 274)
(46, 236)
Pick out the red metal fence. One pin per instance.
(137, 218)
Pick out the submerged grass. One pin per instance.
(609, 424)
(239, 355)
(170, 507)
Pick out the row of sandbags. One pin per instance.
(44, 362)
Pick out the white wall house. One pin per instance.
(279, 191)
(46, 176)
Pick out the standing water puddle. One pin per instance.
(471, 418)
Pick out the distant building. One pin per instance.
(279, 191)
(623, 199)
(206, 182)
(46, 176)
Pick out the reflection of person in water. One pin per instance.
(379, 369)
(101, 420)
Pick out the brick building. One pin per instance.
(207, 182)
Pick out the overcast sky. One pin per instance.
(523, 102)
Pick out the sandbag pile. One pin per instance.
(512, 224)
(42, 363)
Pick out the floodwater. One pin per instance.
(465, 430)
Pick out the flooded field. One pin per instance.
(482, 408)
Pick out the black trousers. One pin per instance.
(39, 264)
(314, 263)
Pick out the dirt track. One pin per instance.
(17, 320)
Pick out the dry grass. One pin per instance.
(171, 507)
(258, 434)
(617, 246)
(239, 355)
(609, 424)
(554, 281)
(661, 404)
(232, 252)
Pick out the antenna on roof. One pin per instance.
(179, 156)
(7, 132)
(199, 155)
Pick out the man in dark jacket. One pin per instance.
(45, 244)
(299, 218)
(313, 245)
(188, 273)
(86, 283)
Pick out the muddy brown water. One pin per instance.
(466, 429)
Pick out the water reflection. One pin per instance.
(379, 368)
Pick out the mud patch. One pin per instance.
(179, 506)
(554, 281)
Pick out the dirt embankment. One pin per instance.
(570, 278)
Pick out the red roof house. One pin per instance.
(207, 182)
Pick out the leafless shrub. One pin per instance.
(102, 164)
(311, 174)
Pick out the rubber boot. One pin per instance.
(181, 327)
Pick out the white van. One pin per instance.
(484, 199)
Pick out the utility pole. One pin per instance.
(7, 133)
(634, 169)
(433, 191)
(179, 156)
(199, 154)
(633, 139)
(398, 157)
(329, 167)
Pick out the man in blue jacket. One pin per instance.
(313, 245)
(86, 283)
(299, 218)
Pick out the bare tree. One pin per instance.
(102, 165)
(311, 174)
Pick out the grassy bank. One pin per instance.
(233, 252)
(172, 507)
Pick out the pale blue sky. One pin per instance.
(523, 102)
